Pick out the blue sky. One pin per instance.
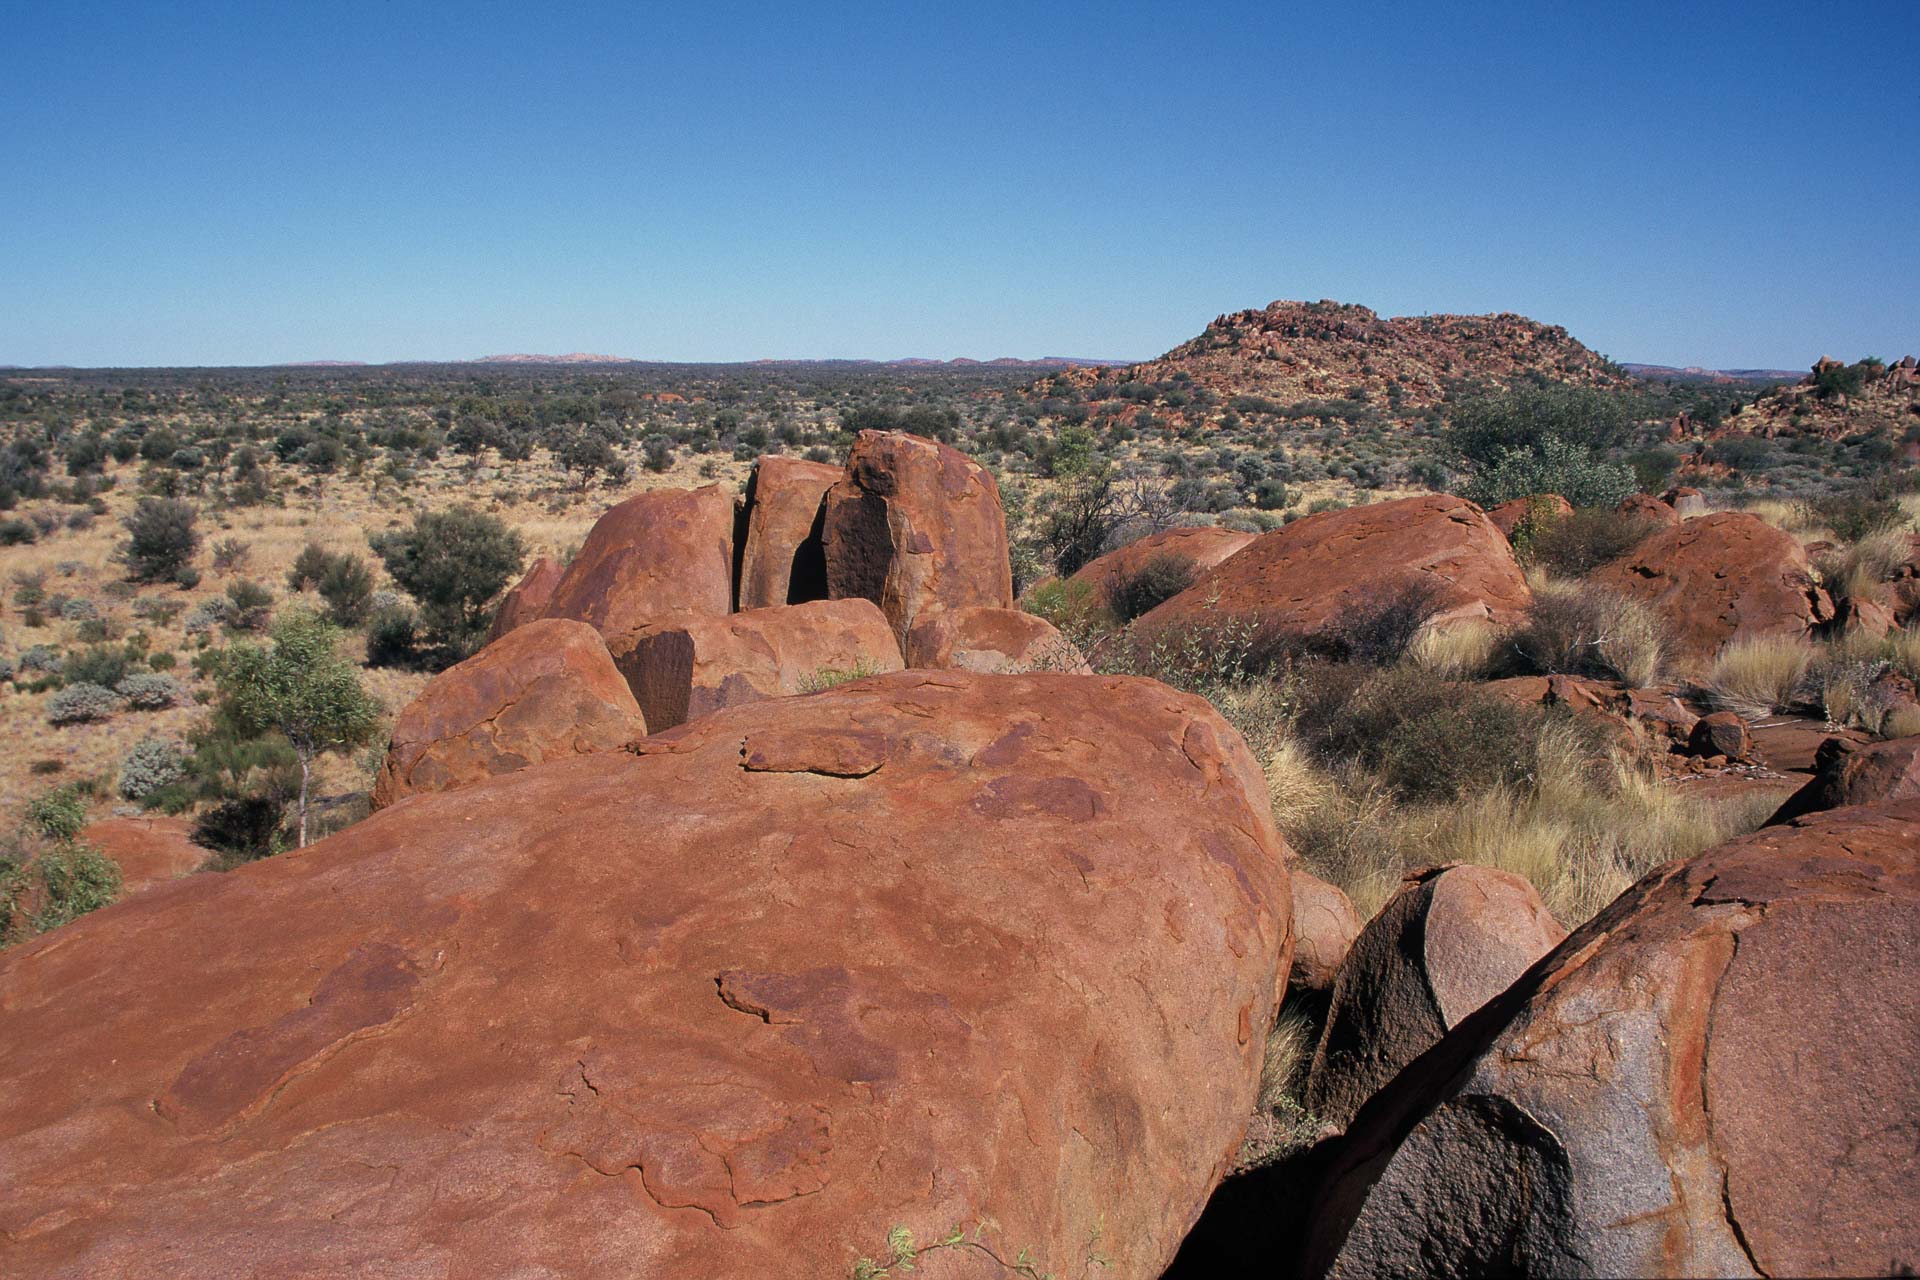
(250, 183)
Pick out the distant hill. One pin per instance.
(577, 357)
(1290, 352)
(1694, 373)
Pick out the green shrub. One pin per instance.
(251, 605)
(161, 539)
(82, 703)
(347, 587)
(1159, 579)
(151, 691)
(105, 665)
(1378, 623)
(1580, 542)
(1856, 516)
(242, 829)
(75, 879)
(455, 563)
(58, 814)
(393, 638)
(151, 764)
(1552, 466)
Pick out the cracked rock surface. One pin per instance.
(926, 950)
(1712, 1077)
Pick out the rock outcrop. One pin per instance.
(544, 690)
(1450, 940)
(1709, 1078)
(1848, 773)
(657, 553)
(991, 640)
(783, 558)
(528, 598)
(1721, 577)
(916, 525)
(689, 666)
(1303, 578)
(931, 950)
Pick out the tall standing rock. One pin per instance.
(783, 556)
(932, 950)
(916, 526)
(1453, 938)
(528, 598)
(690, 666)
(1303, 578)
(655, 554)
(1714, 1076)
(544, 690)
(1721, 577)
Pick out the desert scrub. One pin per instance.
(58, 814)
(75, 879)
(1578, 543)
(153, 763)
(1760, 676)
(1458, 651)
(82, 704)
(1586, 630)
(823, 678)
(152, 691)
(1159, 579)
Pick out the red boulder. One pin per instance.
(783, 558)
(990, 640)
(527, 599)
(657, 553)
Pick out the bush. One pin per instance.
(161, 539)
(1577, 544)
(1552, 466)
(151, 692)
(1590, 631)
(101, 664)
(242, 829)
(1759, 677)
(1857, 516)
(393, 638)
(40, 658)
(454, 562)
(58, 814)
(1485, 430)
(308, 567)
(81, 703)
(76, 879)
(230, 555)
(1159, 579)
(347, 587)
(153, 763)
(251, 605)
(207, 615)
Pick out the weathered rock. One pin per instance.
(658, 553)
(1721, 734)
(1198, 549)
(526, 599)
(1847, 773)
(1856, 615)
(914, 525)
(990, 640)
(1687, 502)
(932, 949)
(1324, 927)
(1544, 508)
(1300, 579)
(148, 850)
(1709, 1078)
(1453, 938)
(783, 559)
(542, 691)
(688, 666)
(1649, 508)
(1726, 576)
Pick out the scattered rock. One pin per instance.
(1300, 579)
(1453, 938)
(989, 640)
(1847, 773)
(1721, 577)
(690, 666)
(658, 553)
(526, 599)
(1709, 1078)
(1722, 733)
(661, 1013)
(148, 850)
(916, 524)
(1324, 927)
(544, 690)
(783, 558)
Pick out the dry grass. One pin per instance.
(1576, 628)
(1281, 1125)
(1760, 676)
(1796, 518)
(1461, 651)
(1862, 570)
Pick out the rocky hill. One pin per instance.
(1838, 399)
(1293, 351)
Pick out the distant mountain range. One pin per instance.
(584, 357)
(1694, 373)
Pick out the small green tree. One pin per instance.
(454, 562)
(303, 688)
(161, 539)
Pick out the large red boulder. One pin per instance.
(916, 525)
(544, 690)
(148, 850)
(1195, 550)
(688, 666)
(1450, 940)
(990, 640)
(1712, 1077)
(1721, 577)
(932, 950)
(657, 553)
(783, 559)
(1303, 578)
(1847, 773)
(528, 598)
(1645, 506)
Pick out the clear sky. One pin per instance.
(199, 183)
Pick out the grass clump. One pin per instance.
(1586, 630)
(1759, 676)
(824, 678)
